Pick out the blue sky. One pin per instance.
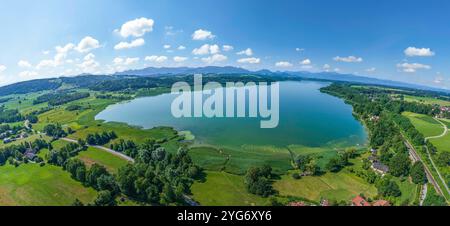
(397, 40)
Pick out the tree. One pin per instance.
(258, 181)
(399, 165)
(418, 173)
(388, 188)
(105, 198)
(77, 202)
(94, 173)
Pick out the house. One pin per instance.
(360, 201)
(381, 203)
(324, 202)
(30, 153)
(380, 167)
(297, 204)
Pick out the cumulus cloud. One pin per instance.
(419, 52)
(179, 59)
(87, 44)
(181, 47)
(128, 45)
(250, 60)
(283, 64)
(412, 67)
(206, 49)
(166, 46)
(89, 64)
(45, 64)
(214, 58)
(28, 74)
(156, 59)
(305, 62)
(24, 63)
(227, 48)
(201, 34)
(125, 61)
(2, 68)
(136, 28)
(299, 49)
(247, 52)
(370, 70)
(349, 59)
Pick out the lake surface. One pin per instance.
(307, 117)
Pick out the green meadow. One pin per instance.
(33, 185)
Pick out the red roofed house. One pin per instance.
(381, 203)
(360, 201)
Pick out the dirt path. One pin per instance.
(439, 136)
(116, 153)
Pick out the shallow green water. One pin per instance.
(307, 117)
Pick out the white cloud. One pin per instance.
(28, 74)
(201, 34)
(247, 52)
(251, 60)
(421, 52)
(166, 46)
(214, 58)
(283, 64)
(24, 63)
(136, 28)
(305, 62)
(46, 52)
(370, 70)
(412, 67)
(349, 59)
(326, 67)
(133, 60)
(128, 45)
(157, 59)
(45, 64)
(61, 54)
(170, 31)
(89, 65)
(299, 49)
(181, 47)
(227, 48)
(2, 68)
(206, 49)
(87, 44)
(179, 59)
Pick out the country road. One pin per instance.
(439, 136)
(431, 159)
(186, 198)
(116, 153)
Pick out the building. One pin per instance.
(380, 167)
(297, 204)
(360, 201)
(381, 203)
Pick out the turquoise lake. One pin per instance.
(307, 117)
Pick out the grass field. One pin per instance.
(106, 159)
(429, 127)
(425, 124)
(222, 189)
(332, 186)
(237, 161)
(31, 185)
(426, 100)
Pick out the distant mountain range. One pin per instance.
(85, 80)
(330, 76)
